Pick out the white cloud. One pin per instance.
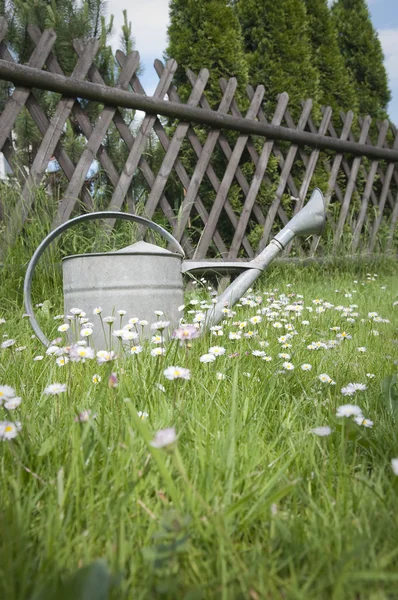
(389, 42)
(149, 19)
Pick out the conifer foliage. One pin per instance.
(336, 88)
(278, 48)
(206, 33)
(363, 55)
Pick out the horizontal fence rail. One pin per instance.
(222, 180)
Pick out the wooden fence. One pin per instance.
(225, 182)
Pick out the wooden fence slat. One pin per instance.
(333, 175)
(90, 151)
(78, 112)
(368, 188)
(144, 132)
(47, 147)
(257, 180)
(393, 225)
(174, 147)
(281, 162)
(350, 186)
(202, 163)
(18, 99)
(178, 166)
(3, 28)
(362, 166)
(291, 155)
(309, 171)
(257, 210)
(219, 202)
(380, 170)
(226, 149)
(382, 201)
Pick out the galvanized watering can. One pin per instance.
(144, 278)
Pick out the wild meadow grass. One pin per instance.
(257, 490)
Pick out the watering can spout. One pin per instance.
(310, 220)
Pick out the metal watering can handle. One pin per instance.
(111, 214)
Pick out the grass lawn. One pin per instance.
(261, 491)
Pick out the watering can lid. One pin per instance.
(139, 248)
(145, 248)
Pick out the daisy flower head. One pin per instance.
(220, 376)
(12, 403)
(79, 353)
(55, 388)
(142, 415)
(235, 335)
(96, 379)
(6, 392)
(64, 327)
(85, 416)
(351, 388)
(8, 343)
(186, 332)
(348, 410)
(360, 420)
(86, 332)
(121, 312)
(104, 356)
(177, 373)
(255, 320)
(128, 336)
(207, 358)
(284, 355)
(288, 366)
(249, 334)
(97, 311)
(109, 320)
(165, 438)
(158, 351)
(321, 431)
(135, 349)
(324, 377)
(9, 430)
(344, 336)
(160, 325)
(306, 367)
(62, 361)
(217, 350)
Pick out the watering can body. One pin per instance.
(140, 279)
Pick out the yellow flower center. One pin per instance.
(8, 428)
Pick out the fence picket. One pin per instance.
(227, 179)
(350, 186)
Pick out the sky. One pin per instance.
(149, 20)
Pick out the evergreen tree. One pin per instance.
(363, 55)
(206, 33)
(335, 86)
(278, 49)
